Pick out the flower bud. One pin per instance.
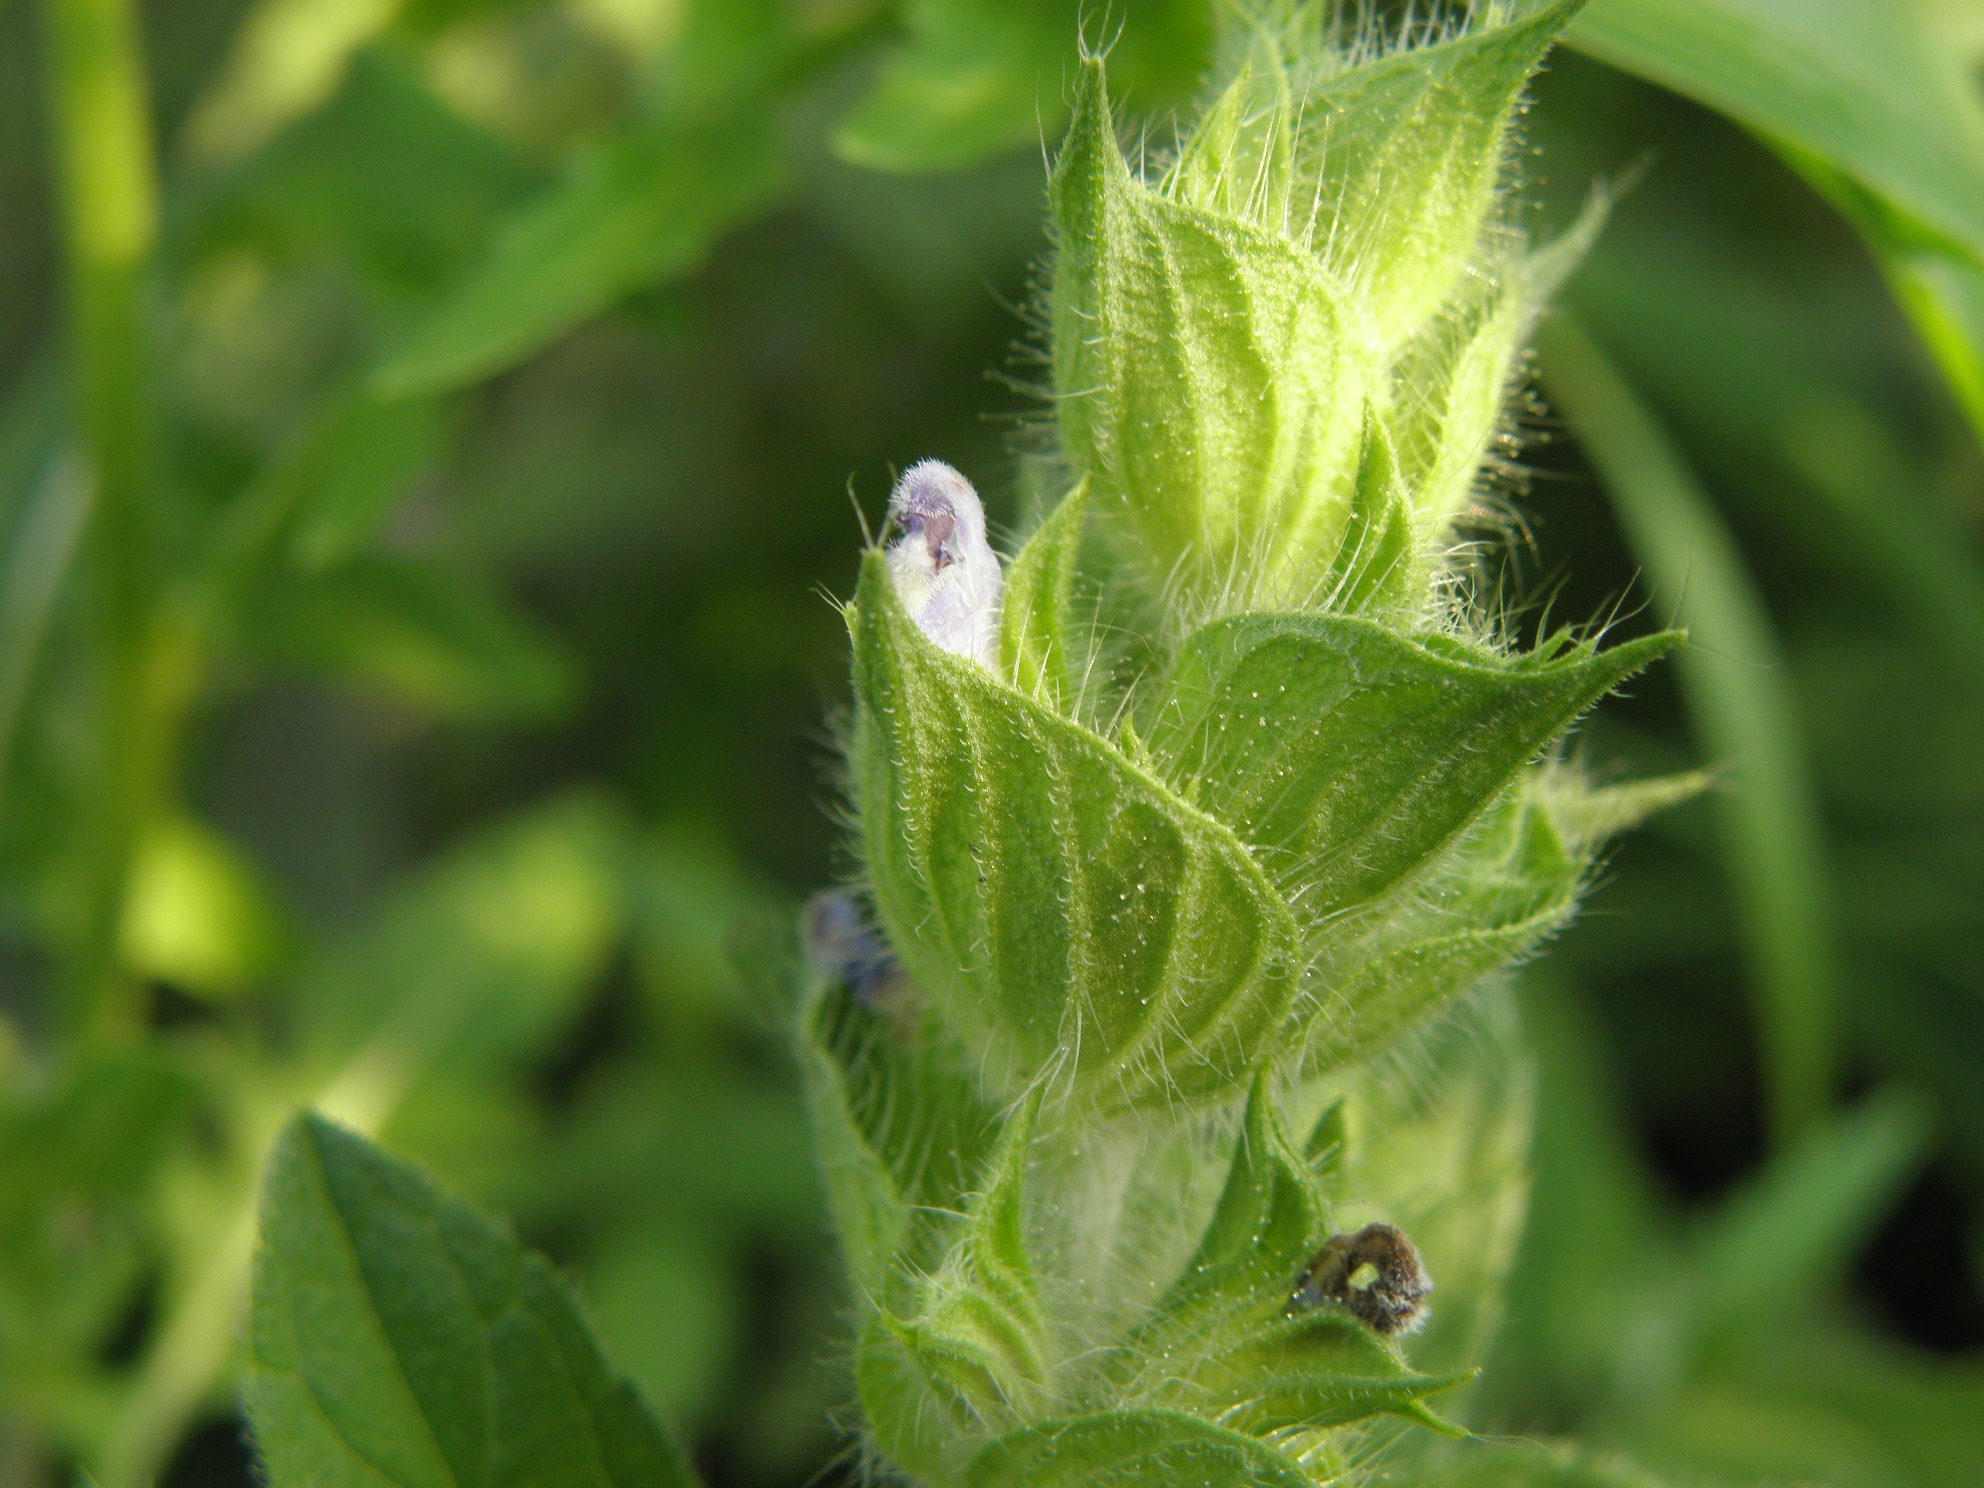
(943, 567)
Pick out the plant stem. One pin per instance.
(1737, 688)
(105, 181)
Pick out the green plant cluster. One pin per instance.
(1168, 914)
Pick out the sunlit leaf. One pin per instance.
(975, 77)
(1348, 755)
(1045, 890)
(635, 209)
(1034, 618)
(197, 914)
(1404, 161)
(288, 58)
(1860, 83)
(476, 959)
(1211, 387)
(1876, 100)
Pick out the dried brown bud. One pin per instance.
(1375, 1275)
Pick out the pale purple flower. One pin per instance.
(945, 570)
(842, 946)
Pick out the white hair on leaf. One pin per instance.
(945, 571)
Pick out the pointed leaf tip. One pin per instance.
(399, 1336)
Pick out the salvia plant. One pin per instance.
(1142, 1154)
(1172, 1123)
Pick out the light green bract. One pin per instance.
(1244, 802)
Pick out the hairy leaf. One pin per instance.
(902, 1134)
(1401, 157)
(1208, 379)
(1449, 389)
(1270, 1219)
(1050, 895)
(1316, 1370)
(1348, 755)
(979, 1335)
(1133, 1449)
(1034, 621)
(1512, 884)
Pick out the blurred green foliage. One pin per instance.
(425, 436)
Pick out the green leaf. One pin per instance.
(1238, 160)
(667, 1301)
(637, 208)
(1937, 282)
(388, 181)
(1772, 1247)
(1864, 84)
(1735, 684)
(1223, 1343)
(1207, 377)
(353, 469)
(89, 1141)
(871, 1216)
(287, 60)
(1513, 883)
(1402, 156)
(1875, 102)
(970, 82)
(1595, 1244)
(1450, 390)
(1348, 756)
(398, 1337)
(417, 630)
(1270, 1221)
(1529, 1464)
(1035, 617)
(1046, 893)
(197, 914)
(917, 1429)
(902, 1134)
(1587, 817)
(979, 1334)
(1316, 1371)
(1752, 371)
(476, 960)
(975, 77)
(1133, 1449)
(1379, 567)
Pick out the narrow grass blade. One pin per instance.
(1739, 695)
